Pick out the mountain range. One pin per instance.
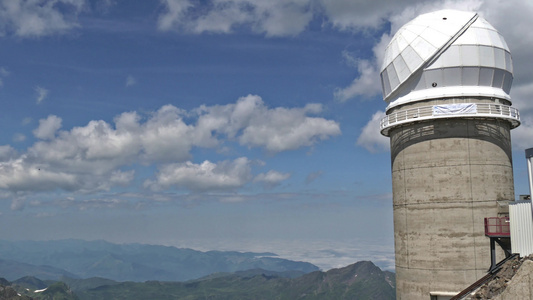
(130, 262)
(362, 280)
(76, 269)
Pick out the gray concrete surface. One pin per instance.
(447, 176)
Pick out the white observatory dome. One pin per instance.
(444, 54)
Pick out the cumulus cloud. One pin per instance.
(21, 175)
(273, 18)
(279, 129)
(97, 156)
(271, 178)
(370, 138)
(173, 14)
(41, 94)
(207, 176)
(30, 18)
(7, 152)
(367, 84)
(276, 17)
(282, 18)
(47, 127)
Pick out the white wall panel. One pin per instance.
(521, 227)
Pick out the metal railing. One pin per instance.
(497, 227)
(483, 110)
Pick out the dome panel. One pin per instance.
(426, 35)
(402, 43)
(485, 76)
(434, 37)
(385, 82)
(433, 78)
(508, 62)
(507, 82)
(497, 81)
(423, 48)
(482, 23)
(470, 76)
(469, 55)
(469, 37)
(401, 68)
(395, 50)
(486, 56)
(483, 36)
(499, 58)
(496, 39)
(408, 35)
(452, 76)
(452, 57)
(412, 59)
(393, 76)
(448, 52)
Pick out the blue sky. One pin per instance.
(220, 124)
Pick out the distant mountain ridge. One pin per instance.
(362, 280)
(129, 262)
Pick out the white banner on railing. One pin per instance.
(455, 109)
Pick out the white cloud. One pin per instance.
(367, 84)
(21, 175)
(166, 137)
(92, 157)
(273, 18)
(175, 11)
(276, 130)
(7, 152)
(207, 176)
(41, 92)
(271, 178)
(48, 127)
(290, 17)
(370, 138)
(282, 18)
(130, 81)
(31, 18)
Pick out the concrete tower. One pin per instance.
(446, 77)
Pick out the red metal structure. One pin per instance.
(497, 227)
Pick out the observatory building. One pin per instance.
(446, 77)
